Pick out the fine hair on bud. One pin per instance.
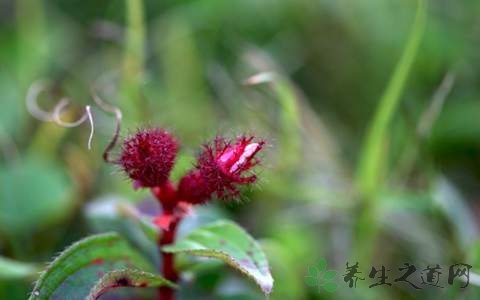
(148, 156)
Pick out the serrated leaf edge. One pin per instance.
(107, 237)
(213, 253)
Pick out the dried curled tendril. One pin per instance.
(55, 114)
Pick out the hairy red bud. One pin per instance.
(148, 156)
(221, 168)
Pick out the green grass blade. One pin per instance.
(373, 157)
(372, 161)
(12, 269)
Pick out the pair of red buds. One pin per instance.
(148, 156)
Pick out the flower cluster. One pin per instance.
(222, 166)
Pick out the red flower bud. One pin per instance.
(193, 188)
(221, 167)
(148, 156)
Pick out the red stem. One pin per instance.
(167, 197)
(168, 263)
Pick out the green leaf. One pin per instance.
(229, 242)
(103, 212)
(11, 269)
(74, 272)
(311, 281)
(313, 271)
(330, 286)
(127, 278)
(33, 195)
(113, 213)
(322, 265)
(128, 211)
(329, 275)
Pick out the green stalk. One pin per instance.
(32, 41)
(373, 160)
(133, 61)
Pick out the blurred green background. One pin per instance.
(371, 109)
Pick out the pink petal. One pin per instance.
(163, 221)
